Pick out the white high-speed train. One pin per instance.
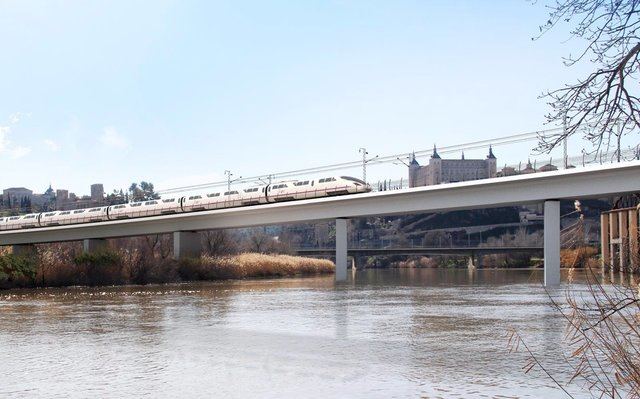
(276, 192)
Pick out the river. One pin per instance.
(386, 334)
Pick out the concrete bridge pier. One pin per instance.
(341, 249)
(93, 245)
(475, 261)
(23, 249)
(551, 243)
(186, 244)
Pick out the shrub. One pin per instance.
(578, 257)
(99, 268)
(17, 270)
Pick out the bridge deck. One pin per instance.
(597, 181)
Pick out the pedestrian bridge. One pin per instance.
(548, 188)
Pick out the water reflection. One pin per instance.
(387, 333)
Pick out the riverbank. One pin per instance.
(50, 268)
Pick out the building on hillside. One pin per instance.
(528, 169)
(62, 198)
(451, 170)
(12, 197)
(45, 201)
(97, 193)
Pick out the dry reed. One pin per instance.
(252, 265)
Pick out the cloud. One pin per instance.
(4, 141)
(18, 116)
(51, 145)
(111, 138)
(7, 147)
(19, 152)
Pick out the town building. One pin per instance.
(97, 193)
(16, 197)
(451, 170)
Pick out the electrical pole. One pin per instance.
(229, 181)
(564, 144)
(228, 174)
(365, 161)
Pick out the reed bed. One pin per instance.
(66, 265)
(247, 265)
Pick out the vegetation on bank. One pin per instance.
(62, 265)
(579, 257)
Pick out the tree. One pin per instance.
(604, 105)
(219, 242)
(142, 192)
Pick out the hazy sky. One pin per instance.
(176, 92)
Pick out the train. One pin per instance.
(258, 195)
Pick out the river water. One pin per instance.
(385, 334)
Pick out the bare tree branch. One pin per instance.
(604, 105)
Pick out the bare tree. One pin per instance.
(219, 242)
(259, 241)
(604, 105)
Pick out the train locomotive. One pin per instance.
(263, 194)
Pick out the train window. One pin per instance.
(195, 197)
(251, 190)
(30, 217)
(136, 204)
(322, 180)
(94, 210)
(65, 213)
(231, 192)
(213, 195)
(50, 214)
(119, 206)
(151, 203)
(301, 183)
(15, 218)
(169, 200)
(79, 211)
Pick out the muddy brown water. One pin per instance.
(384, 334)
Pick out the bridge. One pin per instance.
(474, 253)
(547, 187)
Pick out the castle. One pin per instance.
(451, 170)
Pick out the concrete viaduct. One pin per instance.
(548, 188)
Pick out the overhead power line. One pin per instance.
(495, 142)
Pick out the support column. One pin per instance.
(186, 244)
(93, 245)
(634, 248)
(341, 249)
(623, 226)
(613, 239)
(551, 243)
(604, 241)
(23, 250)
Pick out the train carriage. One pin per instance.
(277, 192)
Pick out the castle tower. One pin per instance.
(435, 168)
(414, 167)
(492, 164)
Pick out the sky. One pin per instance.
(176, 92)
